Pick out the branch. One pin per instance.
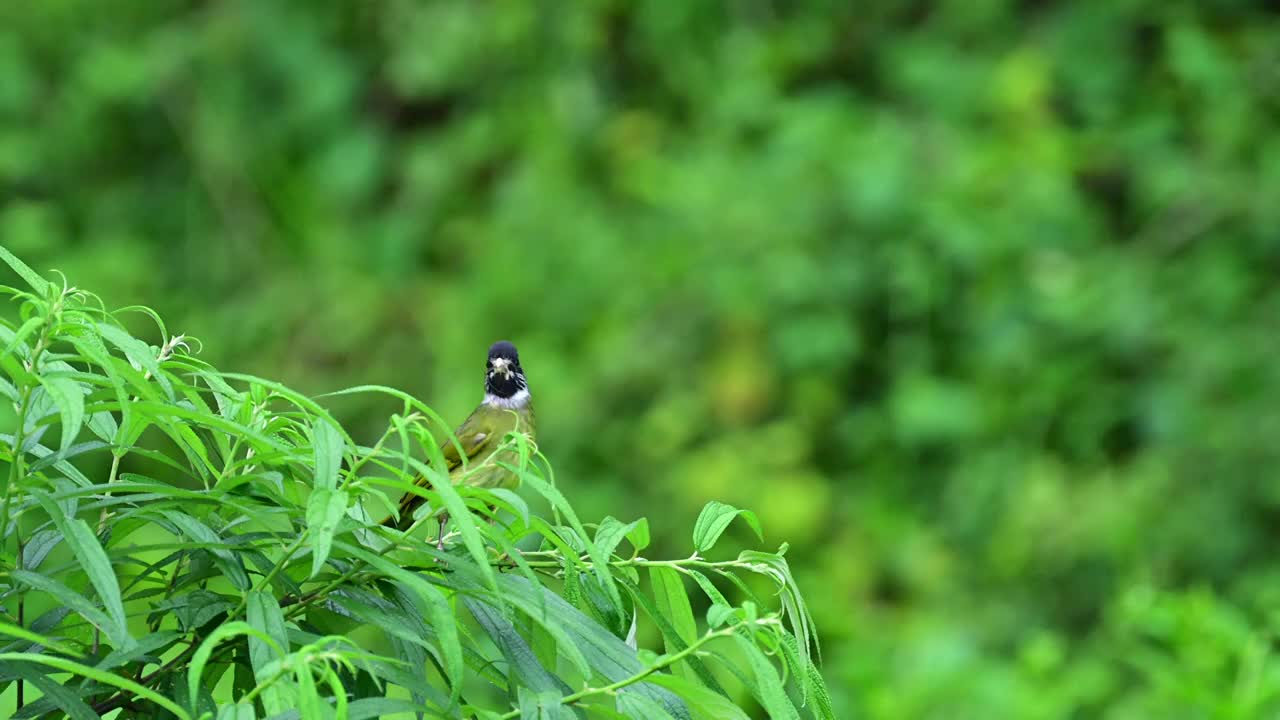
(663, 663)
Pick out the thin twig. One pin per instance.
(663, 663)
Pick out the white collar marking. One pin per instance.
(519, 401)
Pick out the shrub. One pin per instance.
(265, 586)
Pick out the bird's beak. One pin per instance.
(502, 365)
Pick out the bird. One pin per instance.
(507, 407)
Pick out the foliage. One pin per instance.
(264, 586)
(973, 302)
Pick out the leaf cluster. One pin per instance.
(264, 586)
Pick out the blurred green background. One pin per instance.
(974, 302)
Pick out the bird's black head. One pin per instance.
(504, 377)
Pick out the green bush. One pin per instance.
(262, 585)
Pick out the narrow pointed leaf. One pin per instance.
(107, 678)
(600, 561)
(55, 694)
(93, 559)
(673, 604)
(328, 444)
(263, 613)
(607, 654)
(611, 533)
(519, 656)
(200, 532)
(768, 686)
(706, 704)
(325, 508)
(31, 277)
(634, 705)
(714, 519)
(68, 395)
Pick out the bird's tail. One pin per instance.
(408, 503)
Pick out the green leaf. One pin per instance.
(200, 532)
(543, 644)
(195, 609)
(19, 338)
(714, 519)
(325, 509)
(599, 560)
(605, 652)
(611, 532)
(103, 424)
(408, 671)
(776, 567)
(705, 704)
(634, 705)
(708, 588)
(439, 615)
(373, 708)
(534, 607)
(436, 608)
(768, 686)
(70, 598)
(37, 283)
(107, 678)
(604, 610)
(90, 346)
(263, 613)
(55, 693)
(521, 660)
(68, 395)
(8, 391)
(195, 671)
(674, 642)
(328, 445)
(309, 703)
(673, 603)
(395, 619)
(93, 560)
(22, 633)
(237, 712)
(461, 517)
(545, 705)
(38, 547)
(519, 656)
(718, 615)
(147, 647)
(191, 445)
(513, 502)
(813, 688)
(638, 536)
(139, 353)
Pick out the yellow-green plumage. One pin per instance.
(481, 449)
(481, 437)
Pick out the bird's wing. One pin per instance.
(474, 435)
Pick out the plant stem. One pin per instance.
(21, 623)
(121, 698)
(275, 570)
(689, 562)
(373, 452)
(17, 469)
(102, 525)
(665, 662)
(111, 478)
(16, 462)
